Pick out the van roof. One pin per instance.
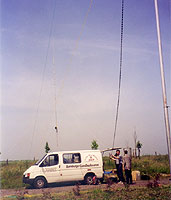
(75, 151)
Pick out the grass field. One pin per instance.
(133, 193)
(149, 164)
(11, 174)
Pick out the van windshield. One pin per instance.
(39, 161)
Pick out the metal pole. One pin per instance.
(166, 114)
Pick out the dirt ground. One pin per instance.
(69, 187)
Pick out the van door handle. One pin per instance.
(59, 166)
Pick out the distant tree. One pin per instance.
(47, 149)
(94, 145)
(139, 145)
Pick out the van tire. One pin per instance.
(89, 179)
(39, 182)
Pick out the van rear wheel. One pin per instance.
(39, 183)
(89, 179)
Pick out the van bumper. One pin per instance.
(27, 180)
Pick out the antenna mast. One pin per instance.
(166, 114)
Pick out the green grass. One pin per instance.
(11, 174)
(149, 164)
(133, 193)
(108, 163)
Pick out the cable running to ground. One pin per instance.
(70, 62)
(55, 95)
(43, 77)
(45, 66)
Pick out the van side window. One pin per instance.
(71, 158)
(50, 161)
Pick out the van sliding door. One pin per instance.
(70, 167)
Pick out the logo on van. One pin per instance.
(85, 165)
(91, 158)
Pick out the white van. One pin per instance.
(65, 166)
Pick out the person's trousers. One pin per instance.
(120, 172)
(128, 176)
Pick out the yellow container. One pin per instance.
(136, 176)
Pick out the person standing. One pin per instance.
(127, 167)
(118, 162)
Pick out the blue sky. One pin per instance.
(86, 77)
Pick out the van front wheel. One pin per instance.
(89, 179)
(39, 183)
